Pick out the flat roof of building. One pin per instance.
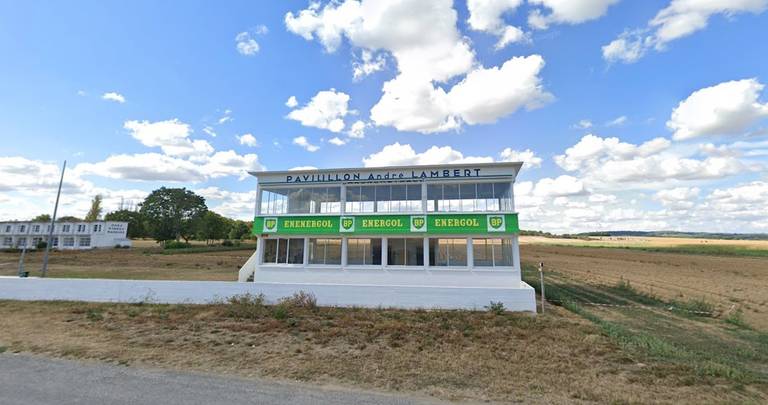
(514, 165)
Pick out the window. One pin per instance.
(284, 250)
(36, 241)
(7, 241)
(85, 241)
(384, 198)
(21, 242)
(36, 228)
(80, 228)
(405, 252)
(361, 199)
(97, 228)
(492, 252)
(325, 251)
(364, 251)
(448, 252)
(55, 242)
(69, 241)
(310, 200)
(22, 228)
(7, 229)
(65, 228)
(467, 197)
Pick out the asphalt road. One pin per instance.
(32, 380)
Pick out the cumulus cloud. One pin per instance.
(583, 124)
(528, 157)
(113, 96)
(337, 141)
(618, 121)
(398, 154)
(291, 102)
(423, 39)
(486, 16)
(368, 64)
(247, 140)
(326, 110)
(678, 198)
(679, 19)
(304, 143)
(357, 129)
(144, 167)
(567, 11)
(172, 136)
(560, 186)
(728, 108)
(245, 42)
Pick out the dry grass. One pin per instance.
(730, 283)
(449, 354)
(643, 242)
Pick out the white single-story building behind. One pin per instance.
(66, 235)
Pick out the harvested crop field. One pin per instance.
(726, 282)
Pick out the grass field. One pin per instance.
(623, 326)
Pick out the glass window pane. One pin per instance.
(396, 252)
(434, 195)
(451, 198)
(383, 198)
(399, 201)
(296, 251)
(458, 252)
(367, 198)
(316, 251)
(270, 250)
(482, 253)
(374, 252)
(332, 203)
(467, 193)
(356, 251)
(282, 250)
(496, 245)
(506, 253)
(333, 251)
(414, 251)
(353, 199)
(501, 193)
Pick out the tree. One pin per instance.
(212, 226)
(95, 212)
(68, 218)
(239, 230)
(136, 226)
(172, 213)
(42, 218)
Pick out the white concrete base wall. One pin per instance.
(519, 297)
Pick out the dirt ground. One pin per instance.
(555, 358)
(727, 282)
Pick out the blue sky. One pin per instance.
(640, 115)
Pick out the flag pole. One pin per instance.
(53, 221)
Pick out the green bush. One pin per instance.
(227, 242)
(42, 244)
(496, 308)
(174, 244)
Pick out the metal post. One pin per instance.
(53, 221)
(21, 261)
(541, 278)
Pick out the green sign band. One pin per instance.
(433, 224)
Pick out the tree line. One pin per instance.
(170, 214)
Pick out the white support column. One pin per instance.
(344, 250)
(343, 200)
(470, 254)
(384, 249)
(516, 255)
(257, 210)
(306, 251)
(512, 196)
(426, 253)
(424, 200)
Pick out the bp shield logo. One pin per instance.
(496, 223)
(347, 224)
(418, 224)
(270, 224)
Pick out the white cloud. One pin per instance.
(291, 102)
(357, 129)
(172, 136)
(113, 96)
(679, 19)
(81, 93)
(325, 110)
(246, 43)
(592, 151)
(229, 163)
(304, 143)
(561, 186)
(678, 198)
(419, 106)
(567, 11)
(144, 167)
(486, 16)
(226, 117)
(247, 140)
(210, 131)
(21, 174)
(618, 121)
(303, 168)
(398, 154)
(368, 64)
(583, 124)
(728, 108)
(229, 203)
(423, 39)
(528, 157)
(337, 141)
